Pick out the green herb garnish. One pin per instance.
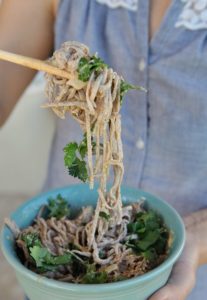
(58, 207)
(70, 153)
(104, 215)
(78, 169)
(152, 235)
(94, 277)
(74, 159)
(42, 257)
(88, 65)
(125, 87)
(31, 239)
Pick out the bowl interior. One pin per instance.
(79, 196)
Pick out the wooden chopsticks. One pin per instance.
(33, 64)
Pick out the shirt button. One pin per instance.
(140, 144)
(142, 65)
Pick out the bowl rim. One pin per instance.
(52, 283)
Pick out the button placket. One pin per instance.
(140, 134)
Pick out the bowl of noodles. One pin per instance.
(125, 272)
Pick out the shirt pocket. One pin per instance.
(194, 15)
(127, 4)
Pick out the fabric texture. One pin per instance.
(194, 15)
(164, 131)
(129, 4)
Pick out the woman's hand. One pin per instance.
(182, 279)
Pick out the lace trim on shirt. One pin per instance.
(194, 15)
(129, 4)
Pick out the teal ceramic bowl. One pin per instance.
(37, 287)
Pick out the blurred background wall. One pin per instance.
(25, 142)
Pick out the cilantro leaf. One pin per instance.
(58, 207)
(152, 235)
(125, 87)
(74, 155)
(84, 69)
(31, 239)
(74, 159)
(78, 169)
(87, 65)
(39, 255)
(70, 153)
(136, 227)
(148, 240)
(94, 277)
(104, 215)
(43, 258)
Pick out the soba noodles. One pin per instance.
(100, 235)
(95, 104)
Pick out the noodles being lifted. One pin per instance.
(95, 104)
(120, 241)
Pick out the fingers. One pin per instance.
(180, 284)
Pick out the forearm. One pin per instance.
(13, 81)
(196, 227)
(35, 40)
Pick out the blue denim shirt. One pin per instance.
(164, 131)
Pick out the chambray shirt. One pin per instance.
(164, 131)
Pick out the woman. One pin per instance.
(161, 45)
